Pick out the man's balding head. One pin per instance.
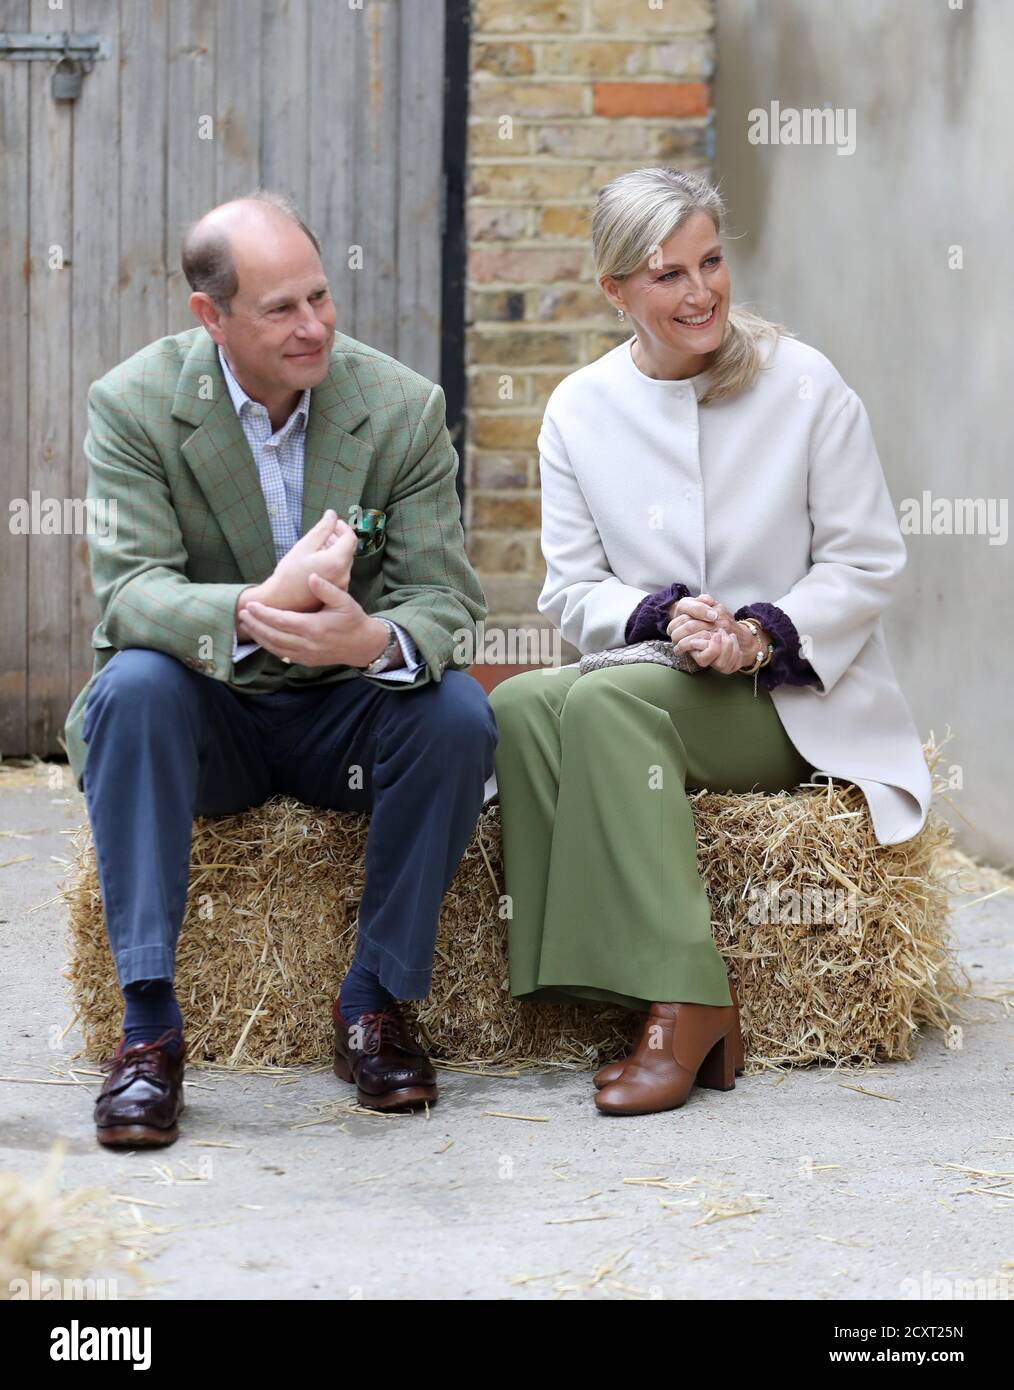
(260, 292)
(213, 243)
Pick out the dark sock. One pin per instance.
(150, 1008)
(360, 993)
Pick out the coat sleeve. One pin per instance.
(856, 548)
(430, 588)
(650, 619)
(582, 595)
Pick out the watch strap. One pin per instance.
(380, 663)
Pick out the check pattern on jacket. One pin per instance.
(164, 442)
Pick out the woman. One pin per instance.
(709, 470)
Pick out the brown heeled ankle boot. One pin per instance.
(612, 1072)
(680, 1045)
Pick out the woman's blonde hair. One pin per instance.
(634, 214)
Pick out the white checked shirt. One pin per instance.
(279, 457)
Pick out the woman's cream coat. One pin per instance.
(776, 494)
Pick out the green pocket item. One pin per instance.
(370, 527)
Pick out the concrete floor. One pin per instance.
(834, 1194)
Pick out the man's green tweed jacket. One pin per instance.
(191, 529)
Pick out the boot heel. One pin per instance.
(718, 1070)
(341, 1067)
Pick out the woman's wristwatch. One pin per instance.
(763, 657)
(381, 662)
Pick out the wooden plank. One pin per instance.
(238, 98)
(95, 311)
(284, 111)
(331, 101)
(14, 15)
(143, 91)
(339, 107)
(190, 177)
(419, 152)
(375, 139)
(51, 238)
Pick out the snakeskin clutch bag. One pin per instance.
(658, 652)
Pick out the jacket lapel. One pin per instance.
(337, 462)
(220, 459)
(335, 468)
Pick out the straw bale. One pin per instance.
(271, 919)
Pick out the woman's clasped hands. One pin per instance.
(707, 630)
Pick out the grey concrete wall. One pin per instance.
(853, 252)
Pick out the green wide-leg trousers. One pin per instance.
(605, 898)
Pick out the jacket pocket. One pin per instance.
(365, 567)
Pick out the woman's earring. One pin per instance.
(620, 314)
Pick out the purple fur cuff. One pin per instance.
(651, 616)
(786, 666)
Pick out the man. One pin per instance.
(253, 642)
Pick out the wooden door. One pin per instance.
(338, 105)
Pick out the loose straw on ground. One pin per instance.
(66, 1236)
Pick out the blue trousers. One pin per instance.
(166, 744)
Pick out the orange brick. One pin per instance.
(651, 98)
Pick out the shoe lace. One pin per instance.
(378, 1025)
(143, 1058)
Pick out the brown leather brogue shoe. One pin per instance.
(142, 1097)
(388, 1067)
(680, 1045)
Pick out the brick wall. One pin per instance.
(564, 94)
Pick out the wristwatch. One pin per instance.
(381, 662)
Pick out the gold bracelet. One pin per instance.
(755, 628)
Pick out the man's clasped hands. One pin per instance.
(304, 613)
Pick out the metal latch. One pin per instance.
(74, 54)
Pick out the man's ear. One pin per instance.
(204, 308)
